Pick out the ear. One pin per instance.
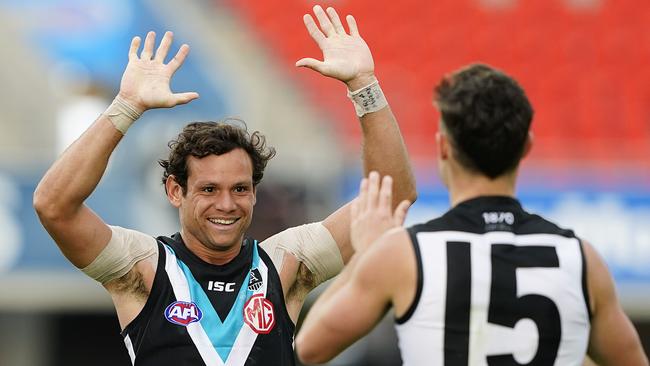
(528, 145)
(442, 145)
(174, 191)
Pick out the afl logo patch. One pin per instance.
(183, 313)
(255, 281)
(259, 315)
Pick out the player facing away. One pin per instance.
(207, 295)
(487, 283)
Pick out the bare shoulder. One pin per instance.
(608, 317)
(600, 284)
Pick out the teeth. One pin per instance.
(222, 221)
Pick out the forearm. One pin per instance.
(383, 148)
(317, 323)
(76, 173)
(334, 287)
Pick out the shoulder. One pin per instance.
(535, 224)
(600, 285)
(392, 250)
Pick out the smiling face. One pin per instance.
(217, 208)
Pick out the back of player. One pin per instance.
(496, 286)
(487, 283)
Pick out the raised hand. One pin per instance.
(346, 57)
(371, 212)
(145, 82)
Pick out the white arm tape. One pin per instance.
(368, 99)
(122, 114)
(312, 244)
(125, 249)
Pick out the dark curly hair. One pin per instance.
(487, 116)
(201, 139)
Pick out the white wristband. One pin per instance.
(122, 114)
(368, 99)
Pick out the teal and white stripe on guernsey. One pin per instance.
(220, 343)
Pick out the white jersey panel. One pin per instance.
(509, 321)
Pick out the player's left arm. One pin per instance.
(308, 255)
(346, 57)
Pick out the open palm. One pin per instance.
(371, 212)
(145, 82)
(345, 56)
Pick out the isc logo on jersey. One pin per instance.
(259, 315)
(183, 313)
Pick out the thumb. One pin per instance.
(311, 63)
(401, 211)
(184, 98)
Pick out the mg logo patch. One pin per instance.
(255, 281)
(259, 315)
(183, 313)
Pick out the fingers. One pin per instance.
(149, 42)
(313, 30)
(386, 193)
(336, 21)
(164, 46)
(373, 190)
(133, 50)
(184, 98)
(324, 21)
(400, 212)
(363, 195)
(352, 25)
(178, 60)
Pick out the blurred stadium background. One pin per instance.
(584, 64)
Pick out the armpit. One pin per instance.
(131, 283)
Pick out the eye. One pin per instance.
(240, 189)
(208, 189)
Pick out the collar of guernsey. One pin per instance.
(215, 339)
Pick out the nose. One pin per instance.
(225, 202)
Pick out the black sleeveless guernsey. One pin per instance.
(203, 314)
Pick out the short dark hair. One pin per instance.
(201, 139)
(487, 116)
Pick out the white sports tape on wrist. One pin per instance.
(125, 249)
(312, 244)
(368, 99)
(122, 114)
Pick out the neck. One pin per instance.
(216, 255)
(464, 186)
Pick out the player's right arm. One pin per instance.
(59, 198)
(613, 339)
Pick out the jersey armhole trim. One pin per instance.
(418, 291)
(585, 288)
(154, 293)
(273, 272)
